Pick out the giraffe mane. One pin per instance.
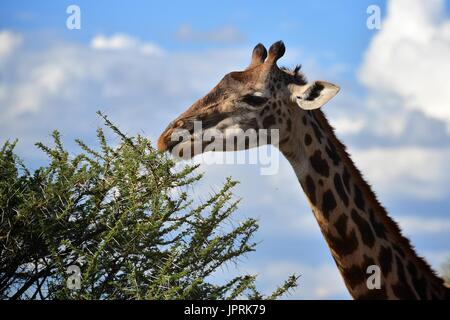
(299, 76)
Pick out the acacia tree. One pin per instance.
(117, 223)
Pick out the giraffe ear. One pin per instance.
(313, 95)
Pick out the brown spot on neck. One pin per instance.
(319, 164)
(328, 203)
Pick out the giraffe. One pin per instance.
(355, 225)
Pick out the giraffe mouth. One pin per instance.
(171, 145)
(223, 136)
(209, 130)
(186, 135)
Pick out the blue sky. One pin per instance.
(306, 22)
(144, 62)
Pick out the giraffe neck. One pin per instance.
(356, 227)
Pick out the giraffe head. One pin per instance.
(263, 96)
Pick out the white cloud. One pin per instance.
(227, 34)
(409, 57)
(9, 42)
(316, 281)
(345, 125)
(405, 171)
(276, 200)
(424, 225)
(60, 85)
(35, 85)
(122, 41)
(438, 258)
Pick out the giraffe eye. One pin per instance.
(253, 100)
